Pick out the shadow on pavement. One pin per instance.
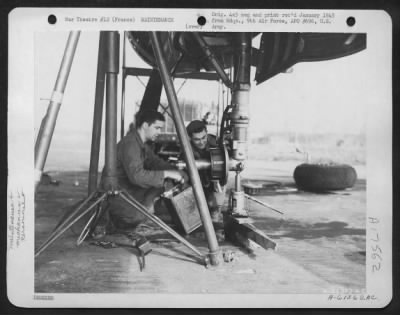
(301, 230)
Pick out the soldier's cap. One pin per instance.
(195, 126)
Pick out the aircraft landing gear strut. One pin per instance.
(108, 68)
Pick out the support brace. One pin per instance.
(189, 158)
(48, 124)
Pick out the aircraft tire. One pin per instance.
(324, 177)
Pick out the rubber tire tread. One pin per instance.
(323, 177)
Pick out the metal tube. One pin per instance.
(218, 107)
(238, 182)
(240, 98)
(240, 117)
(243, 73)
(66, 220)
(263, 203)
(189, 158)
(138, 206)
(44, 138)
(123, 106)
(123, 88)
(112, 52)
(97, 117)
(110, 163)
(86, 229)
(58, 234)
(217, 66)
(203, 164)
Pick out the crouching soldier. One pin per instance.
(140, 172)
(201, 143)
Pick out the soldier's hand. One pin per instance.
(175, 175)
(185, 176)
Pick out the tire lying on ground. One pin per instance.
(324, 177)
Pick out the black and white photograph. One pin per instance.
(203, 160)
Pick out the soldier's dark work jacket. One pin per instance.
(138, 165)
(140, 172)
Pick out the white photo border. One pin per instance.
(24, 22)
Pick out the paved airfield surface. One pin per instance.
(320, 245)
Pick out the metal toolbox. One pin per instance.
(183, 209)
